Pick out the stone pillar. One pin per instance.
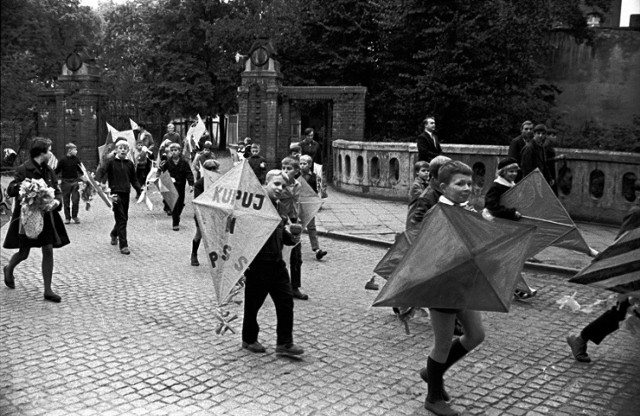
(258, 104)
(69, 113)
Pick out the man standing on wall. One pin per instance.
(428, 143)
(517, 144)
(310, 147)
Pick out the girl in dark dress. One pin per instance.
(53, 233)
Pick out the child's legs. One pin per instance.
(295, 263)
(280, 291)
(17, 258)
(473, 329)
(605, 324)
(47, 267)
(255, 292)
(75, 199)
(141, 174)
(198, 235)
(177, 209)
(313, 234)
(443, 324)
(65, 187)
(121, 215)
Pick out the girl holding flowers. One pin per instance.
(35, 221)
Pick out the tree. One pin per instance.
(36, 36)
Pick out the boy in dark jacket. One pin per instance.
(181, 173)
(69, 171)
(258, 163)
(121, 174)
(267, 274)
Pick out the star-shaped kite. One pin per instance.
(459, 260)
(539, 206)
(617, 268)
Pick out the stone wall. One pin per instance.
(599, 82)
(594, 185)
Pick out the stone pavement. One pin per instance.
(135, 335)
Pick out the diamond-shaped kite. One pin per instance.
(539, 206)
(168, 189)
(459, 260)
(95, 185)
(309, 203)
(112, 136)
(236, 218)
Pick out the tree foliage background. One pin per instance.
(478, 66)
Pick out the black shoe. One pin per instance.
(299, 295)
(371, 284)
(289, 349)
(114, 240)
(8, 278)
(194, 260)
(440, 408)
(125, 250)
(320, 254)
(254, 347)
(522, 295)
(67, 221)
(578, 348)
(52, 297)
(457, 329)
(76, 220)
(423, 376)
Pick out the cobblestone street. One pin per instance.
(136, 335)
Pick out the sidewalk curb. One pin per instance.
(385, 244)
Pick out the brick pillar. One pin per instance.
(259, 112)
(75, 115)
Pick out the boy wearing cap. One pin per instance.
(203, 156)
(69, 171)
(180, 172)
(121, 174)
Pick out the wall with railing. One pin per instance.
(593, 185)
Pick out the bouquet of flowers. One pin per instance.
(36, 198)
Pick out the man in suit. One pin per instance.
(517, 144)
(428, 143)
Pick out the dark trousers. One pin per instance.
(177, 209)
(268, 278)
(70, 197)
(141, 173)
(121, 215)
(295, 263)
(605, 324)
